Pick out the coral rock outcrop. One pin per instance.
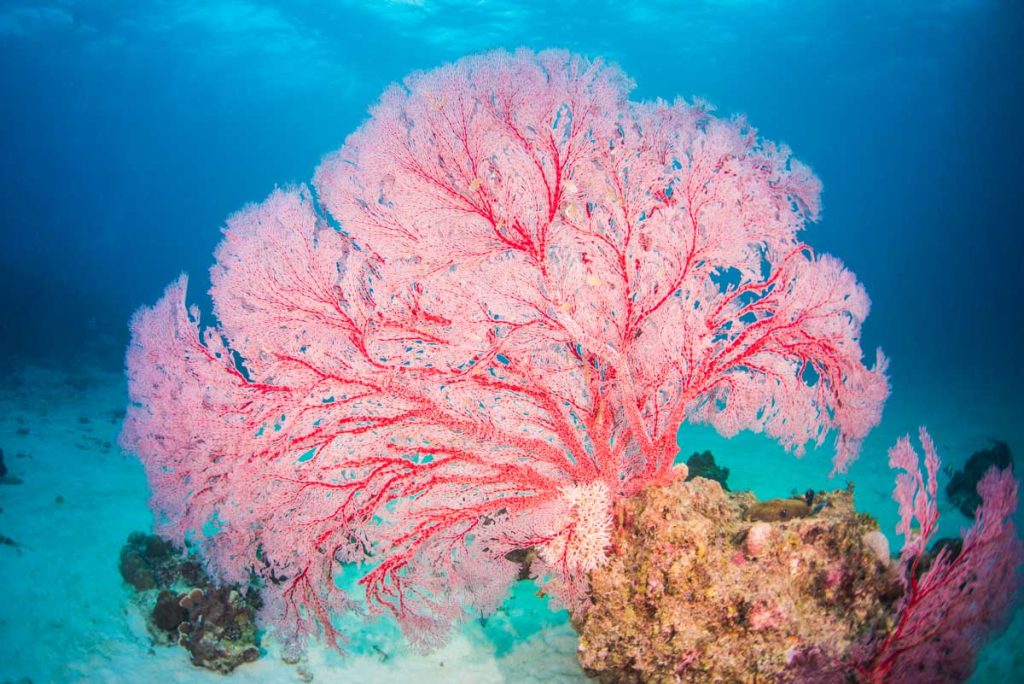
(696, 591)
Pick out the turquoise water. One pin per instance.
(132, 129)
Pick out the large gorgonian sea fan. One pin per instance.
(483, 324)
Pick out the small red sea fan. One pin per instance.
(485, 322)
(964, 595)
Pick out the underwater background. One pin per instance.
(130, 130)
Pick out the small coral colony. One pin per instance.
(460, 358)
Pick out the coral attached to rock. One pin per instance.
(509, 288)
(697, 591)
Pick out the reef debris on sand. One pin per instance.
(215, 624)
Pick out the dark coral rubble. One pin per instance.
(696, 590)
(219, 628)
(215, 624)
(150, 562)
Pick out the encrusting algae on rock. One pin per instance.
(696, 591)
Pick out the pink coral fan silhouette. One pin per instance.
(956, 595)
(483, 323)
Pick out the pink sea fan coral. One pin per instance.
(956, 596)
(496, 305)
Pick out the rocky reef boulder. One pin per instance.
(697, 591)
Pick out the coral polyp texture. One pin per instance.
(482, 324)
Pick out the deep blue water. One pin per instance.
(131, 129)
